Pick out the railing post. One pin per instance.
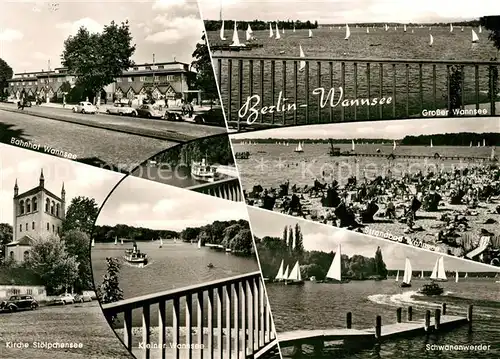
(262, 298)
(427, 320)
(251, 298)
(236, 295)
(189, 323)
(378, 327)
(127, 329)
(228, 321)
(200, 312)
(256, 318)
(146, 331)
(443, 308)
(398, 314)
(210, 324)
(437, 319)
(244, 314)
(220, 324)
(410, 314)
(469, 316)
(229, 91)
(349, 320)
(176, 321)
(162, 323)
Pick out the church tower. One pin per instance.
(37, 212)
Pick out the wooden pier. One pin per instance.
(356, 337)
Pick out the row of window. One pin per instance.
(54, 228)
(29, 291)
(143, 78)
(31, 205)
(43, 81)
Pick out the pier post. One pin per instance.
(349, 320)
(378, 327)
(427, 320)
(398, 314)
(469, 317)
(410, 314)
(437, 319)
(443, 309)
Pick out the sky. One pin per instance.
(142, 203)
(349, 11)
(326, 238)
(25, 165)
(379, 129)
(33, 32)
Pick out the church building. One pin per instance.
(37, 212)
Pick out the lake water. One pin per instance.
(400, 82)
(324, 306)
(176, 265)
(270, 165)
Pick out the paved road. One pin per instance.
(94, 146)
(79, 323)
(161, 129)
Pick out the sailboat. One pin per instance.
(93, 242)
(116, 241)
(293, 28)
(431, 144)
(249, 33)
(121, 242)
(236, 38)
(462, 29)
(279, 275)
(199, 244)
(161, 242)
(470, 145)
(438, 273)
(475, 38)
(299, 148)
(222, 32)
(302, 63)
(431, 41)
(278, 36)
(456, 276)
(479, 144)
(480, 29)
(407, 275)
(386, 27)
(310, 33)
(394, 145)
(347, 32)
(412, 31)
(397, 277)
(295, 278)
(334, 273)
(451, 27)
(484, 142)
(353, 145)
(285, 273)
(271, 34)
(422, 275)
(404, 28)
(465, 276)
(367, 30)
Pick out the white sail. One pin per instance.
(295, 273)
(492, 156)
(161, 242)
(310, 33)
(456, 276)
(283, 30)
(122, 241)
(479, 144)
(278, 36)
(293, 28)
(422, 275)
(248, 33)
(249, 29)
(484, 142)
(302, 63)
(470, 145)
(480, 29)
(465, 276)
(335, 270)
(199, 244)
(431, 41)
(222, 31)
(441, 274)
(285, 273)
(271, 34)
(353, 145)
(236, 39)
(451, 27)
(367, 30)
(116, 241)
(347, 32)
(93, 242)
(462, 29)
(475, 38)
(435, 270)
(394, 145)
(412, 31)
(404, 28)
(397, 276)
(279, 275)
(386, 27)
(408, 272)
(431, 144)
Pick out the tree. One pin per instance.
(6, 73)
(290, 237)
(299, 246)
(380, 268)
(50, 260)
(285, 235)
(492, 23)
(5, 238)
(81, 215)
(65, 87)
(78, 245)
(109, 291)
(96, 59)
(205, 79)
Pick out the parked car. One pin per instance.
(19, 302)
(149, 111)
(81, 298)
(85, 107)
(121, 109)
(214, 117)
(172, 116)
(64, 299)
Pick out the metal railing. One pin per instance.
(228, 188)
(407, 87)
(233, 320)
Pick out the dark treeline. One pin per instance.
(316, 141)
(235, 235)
(108, 233)
(449, 274)
(272, 250)
(392, 24)
(453, 139)
(216, 150)
(215, 25)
